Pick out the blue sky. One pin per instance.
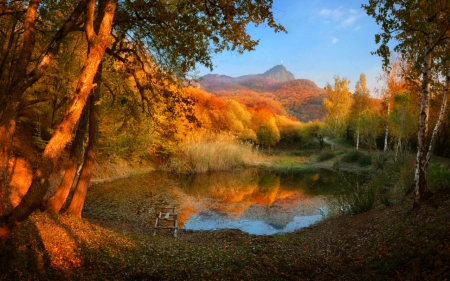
(325, 38)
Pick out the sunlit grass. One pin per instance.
(213, 153)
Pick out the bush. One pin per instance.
(325, 155)
(357, 157)
(351, 157)
(438, 177)
(365, 160)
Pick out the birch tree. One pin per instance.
(360, 103)
(422, 30)
(337, 105)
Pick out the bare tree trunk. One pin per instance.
(76, 205)
(56, 202)
(39, 186)
(357, 139)
(420, 181)
(386, 134)
(441, 115)
(399, 146)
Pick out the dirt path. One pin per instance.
(334, 144)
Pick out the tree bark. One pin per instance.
(22, 81)
(441, 114)
(39, 186)
(56, 202)
(420, 181)
(76, 205)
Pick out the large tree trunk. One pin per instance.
(22, 81)
(56, 202)
(79, 196)
(420, 181)
(10, 108)
(39, 186)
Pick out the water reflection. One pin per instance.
(256, 201)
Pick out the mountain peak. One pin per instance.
(279, 73)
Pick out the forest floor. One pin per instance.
(386, 243)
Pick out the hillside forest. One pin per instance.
(109, 81)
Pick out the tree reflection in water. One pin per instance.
(255, 201)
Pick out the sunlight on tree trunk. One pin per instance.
(76, 205)
(63, 133)
(56, 202)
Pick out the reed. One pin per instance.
(218, 152)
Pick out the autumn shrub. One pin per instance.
(211, 153)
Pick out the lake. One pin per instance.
(256, 201)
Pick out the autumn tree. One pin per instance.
(337, 105)
(393, 82)
(403, 120)
(360, 103)
(268, 133)
(175, 34)
(422, 30)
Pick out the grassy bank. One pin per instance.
(387, 243)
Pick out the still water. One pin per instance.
(260, 202)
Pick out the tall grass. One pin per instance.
(218, 152)
(386, 184)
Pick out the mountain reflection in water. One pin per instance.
(255, 201)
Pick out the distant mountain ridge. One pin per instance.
(301, 98)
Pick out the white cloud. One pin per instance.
(334, 40)
(325, 12)
(349, 21)
(357, 28)
(340, 16)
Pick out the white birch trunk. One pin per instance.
(387, 129)
(357, 139)
(441, 116)
(420, 182)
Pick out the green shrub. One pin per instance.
(365, 160)
(438, 177)
(357, 157)
(325, 155)
(351, 157)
